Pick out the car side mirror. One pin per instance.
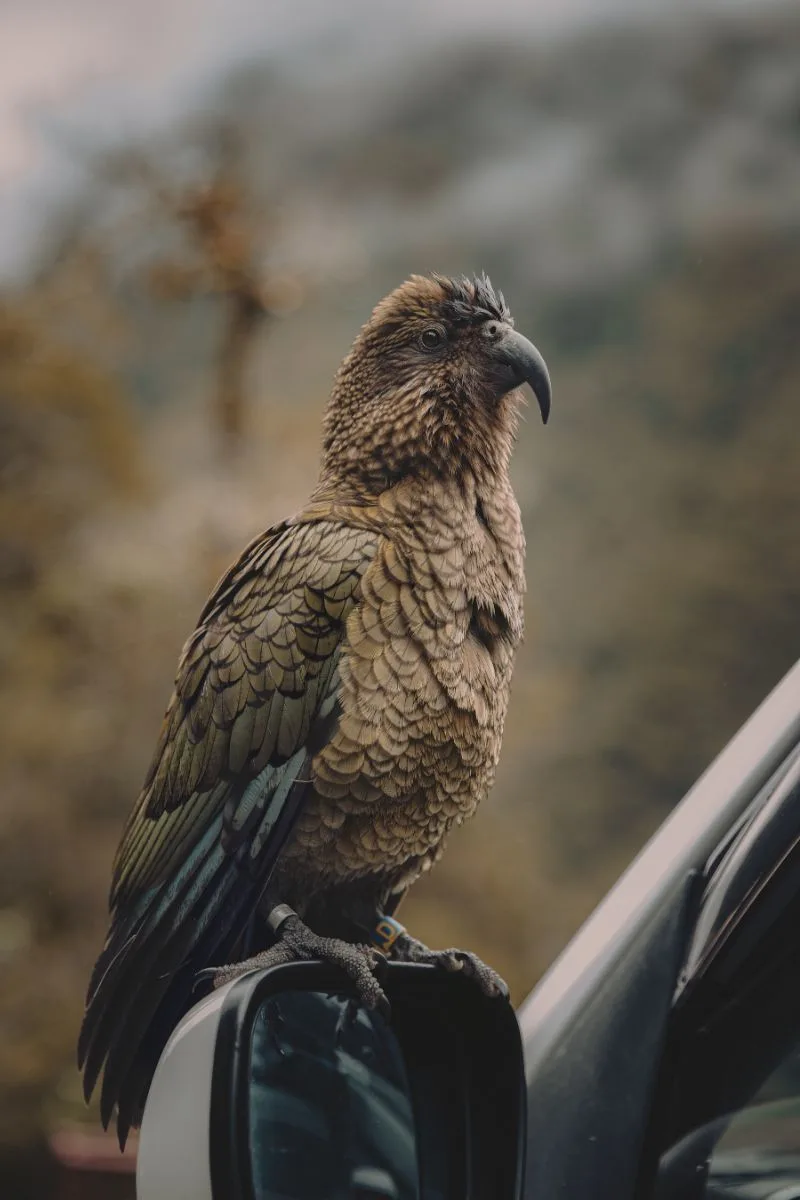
(280, 1086)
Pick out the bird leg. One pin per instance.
(296, 942)
(405, 948)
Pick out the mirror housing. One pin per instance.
(258, 1074)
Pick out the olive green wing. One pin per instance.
(255, 697)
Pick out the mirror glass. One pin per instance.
(330, 1112)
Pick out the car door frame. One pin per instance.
(594, 1029)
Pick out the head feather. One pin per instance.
(458, 301)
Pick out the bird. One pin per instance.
(339, 708)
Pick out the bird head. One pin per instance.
(431, 386)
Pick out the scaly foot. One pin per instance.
(408, 949)
(296, 942)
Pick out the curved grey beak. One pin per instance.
(520, 362)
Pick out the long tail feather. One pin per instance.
(144, 978)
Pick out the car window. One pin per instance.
(758, 1154)
(727, 1118)
(751, 1153)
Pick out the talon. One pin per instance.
(274, 957)
(204, 976)
(219, 976)
(408, 949)
(384, 1007)
(501, 988)
(274, 1021)
(381, 966)
(347, 1019)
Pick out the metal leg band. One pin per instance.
(279, 916)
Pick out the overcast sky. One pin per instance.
(127, 64)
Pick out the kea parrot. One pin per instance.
(340, 705)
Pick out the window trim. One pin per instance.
(740, 946)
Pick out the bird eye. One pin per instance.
(431, 339)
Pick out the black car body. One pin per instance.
(661, 1048)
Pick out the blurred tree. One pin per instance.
(214, 217)
(66, 441)
(224, 257)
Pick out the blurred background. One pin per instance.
(200, 202)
